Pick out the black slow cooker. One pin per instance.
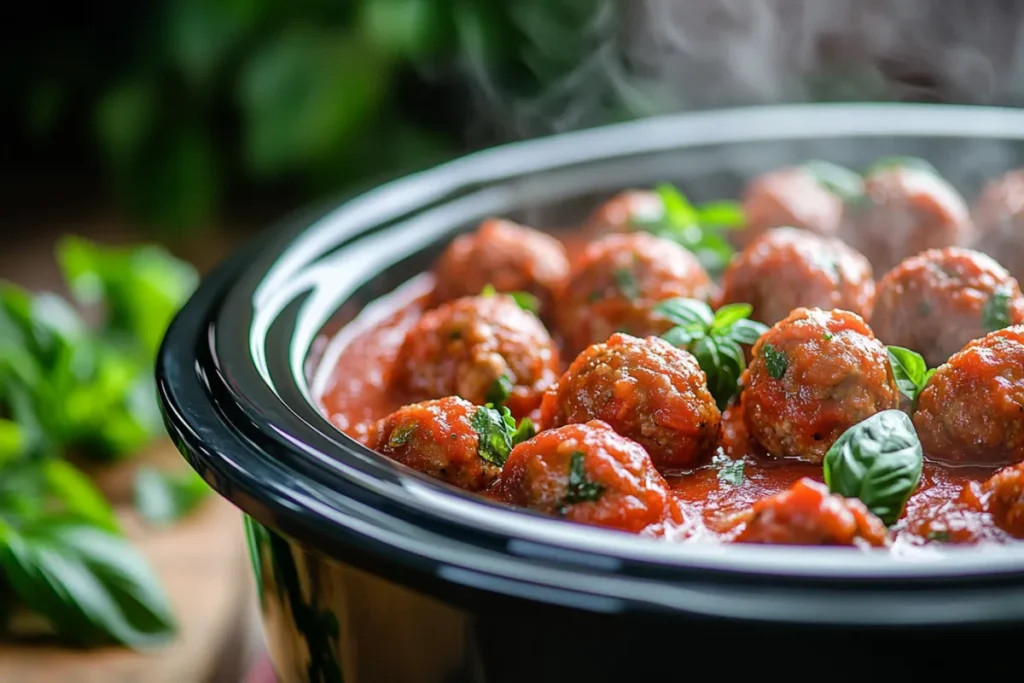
(370, 572)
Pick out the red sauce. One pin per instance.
(356, 395)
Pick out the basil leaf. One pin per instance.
(775, 361)
(678, 210)
(163, 498)
(995, 314)
(909, 368)
(488, 291)
(878, 461)
(746, 331)
(90, 584)
(684, 311)
(524, 432)
(729, 314)
(721, 214)
(78, 495)
(526, 301)
(494, 433)
(626, 283)
(840, 181)
(401, 434)
(32, 490)
(12, 440)
(894, 162)
(682, 337)
(580, 489)
(499, 391)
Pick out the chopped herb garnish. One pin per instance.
(827, 336)
(774, 360)
(995, 314)
(500, 391)
(498, 433)
(714, 338)
(579, 489)
(940, 535)
(401, 435)
(525, 300)
(840, 181)
(731, 472)
(627, 284)
(488, 291)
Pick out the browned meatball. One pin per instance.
(939, 300)
(1006, 499)
(998, 217)
(438, 438)
(905, 211)
(589, 474)
(624, 211)
(807, 514)
(617, 281)
(814, 375)
(786, 268)
(647, 390)
(470, 346)
(972, 410)
(510, 257)
(788, 197)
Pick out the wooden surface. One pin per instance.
(203, 565)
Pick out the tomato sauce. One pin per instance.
(355, 394)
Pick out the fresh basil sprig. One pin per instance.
(878, 461)
(163, 498)
(839, 180)
(698, 228)
(715, 338)
(995, 313)
(499, 433)
(911, 372)
(525, 300)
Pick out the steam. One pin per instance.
(634, 58)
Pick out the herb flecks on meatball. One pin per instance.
(587, 473)
(937, 301)
(786, 268)
(473, 346)
(807, 514)
(506, 256)
(617, 281)
(814, 375)
(972, 409)
(906, 210)
(646, 390)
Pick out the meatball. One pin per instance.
(1006, 499)
(648, 391)
(998, 217)
(807, 514)
(510, 257)
(588, 473)
(939, 300)
(624, 211)
(616, 283)
(905, 211)
(474, 346)
(972, 409)
(814, 375)
(786, 268)
(437, 438)
(788, 197)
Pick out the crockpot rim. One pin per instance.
(198, 322)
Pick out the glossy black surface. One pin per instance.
(234, 384)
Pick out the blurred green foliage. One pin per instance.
(184, 101)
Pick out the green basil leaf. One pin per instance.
(729, 314)
(495, 435)
(746, 331)
(78, 495)
(894, 162)
(682, 337)
(909, 368)
(840, 181)
(721, 214)
(12, 440)
(163, 498)
(488, 291)
(580, 489)
(524, 432)
(878, 461)
(774, 360)
(499, 391)
(684, 311)
(625, 280)
(401, 434)
(526, 301)
(678, 210)
(995, 314)
(90, 584)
